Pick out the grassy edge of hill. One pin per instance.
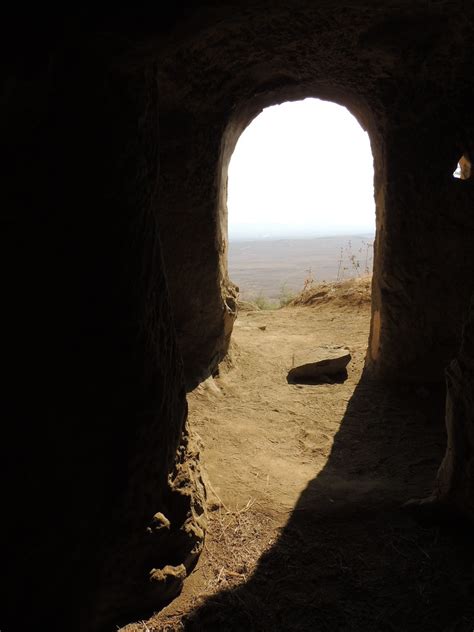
(354, 291)
(356, 263)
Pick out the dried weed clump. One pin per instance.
(348, 293)
(235, 541)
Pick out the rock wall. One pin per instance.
(453, 494)
(456, 474)
(102, 502)
(405, 74)
(194, 241)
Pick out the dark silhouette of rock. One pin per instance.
(320, 363)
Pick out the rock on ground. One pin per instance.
(324, 361)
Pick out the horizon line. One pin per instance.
(292, 236)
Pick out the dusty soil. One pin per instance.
(306, 485)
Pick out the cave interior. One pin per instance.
(117, 131)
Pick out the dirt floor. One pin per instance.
(306, 485)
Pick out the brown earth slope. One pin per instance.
(306, 484)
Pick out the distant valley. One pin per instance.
(272, 268)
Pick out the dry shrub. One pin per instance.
(348, 293)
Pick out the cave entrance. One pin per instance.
(301, 210)
(291, 463)
(294, 471)
(300, 201)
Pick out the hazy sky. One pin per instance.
(301, 168)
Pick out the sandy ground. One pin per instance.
(306, 484)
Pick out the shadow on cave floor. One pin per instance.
(349, 557)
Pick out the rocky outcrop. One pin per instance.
(147, 568)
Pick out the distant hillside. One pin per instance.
(270, 267)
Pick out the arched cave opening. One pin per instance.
(267, 455)
(300, 202)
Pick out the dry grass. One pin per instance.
(234, 543)
(348, 293)
(426, 578)
(242, 535)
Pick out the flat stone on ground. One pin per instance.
(319, 362)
